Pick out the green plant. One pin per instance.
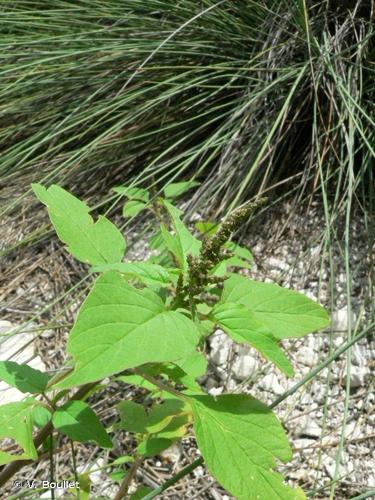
(145, 323)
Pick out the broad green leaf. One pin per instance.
(40, 416)
(188, 243)
(206, 327)
(194, 365)
(203, 308)
(133, 417)
(152, 446)
(161, 415)
(221, 269)
(23, 377)
(93, 243)
(120, 326)
(239, 251)
(237, 262)
(150, 274)
(176, 374)
(133, 193)
(117, 475)
(156, 241)
(132, 208)
(174, 246)
(176, 428)
(16, 423)
(242, 326)
(207, 228)
(240, 438)
(188, 369)
(242, 258)
(175, 189)
(77, 420)
(283, 312)
(137, 381)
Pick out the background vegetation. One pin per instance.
(247, 97)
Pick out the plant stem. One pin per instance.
(161, 385)
(368, 494)
(74, 466)
(51, 463)
(124, 486)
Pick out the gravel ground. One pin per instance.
(287, 249)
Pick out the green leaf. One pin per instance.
(207, 228)
(137, 381)
(237, 262)
(239, 251)
(156, 241)
(93, 243)
(173, 245)
(242, 326)
(122, 460)
(188, 369)
(221, 269)
(152, 446)
(239, 438)
(161, 415)
(176, 428)
(150, 274)
(23, 377)
(283, 312)
(194, 365)
(175, 189)
(16, 423)
(132, 208)
(117, 475)
(188, 243)
(141, 492)
(133, 193)
(84, 489)
(40, 416)
(77, 420)
(120, 326)
(133, 417)
(206, 327)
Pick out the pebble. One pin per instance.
(353, 430)
(216, 391)
(270, 383)
(199, 472)
(306, 426)
(330, 466)
(306, 399)
(339, 320)
(210, 383)
(359, 355)
(220, 348)
(172, 454)
(243, 367)
(308, 356)
(358, 376)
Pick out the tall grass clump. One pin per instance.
(241, 94)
